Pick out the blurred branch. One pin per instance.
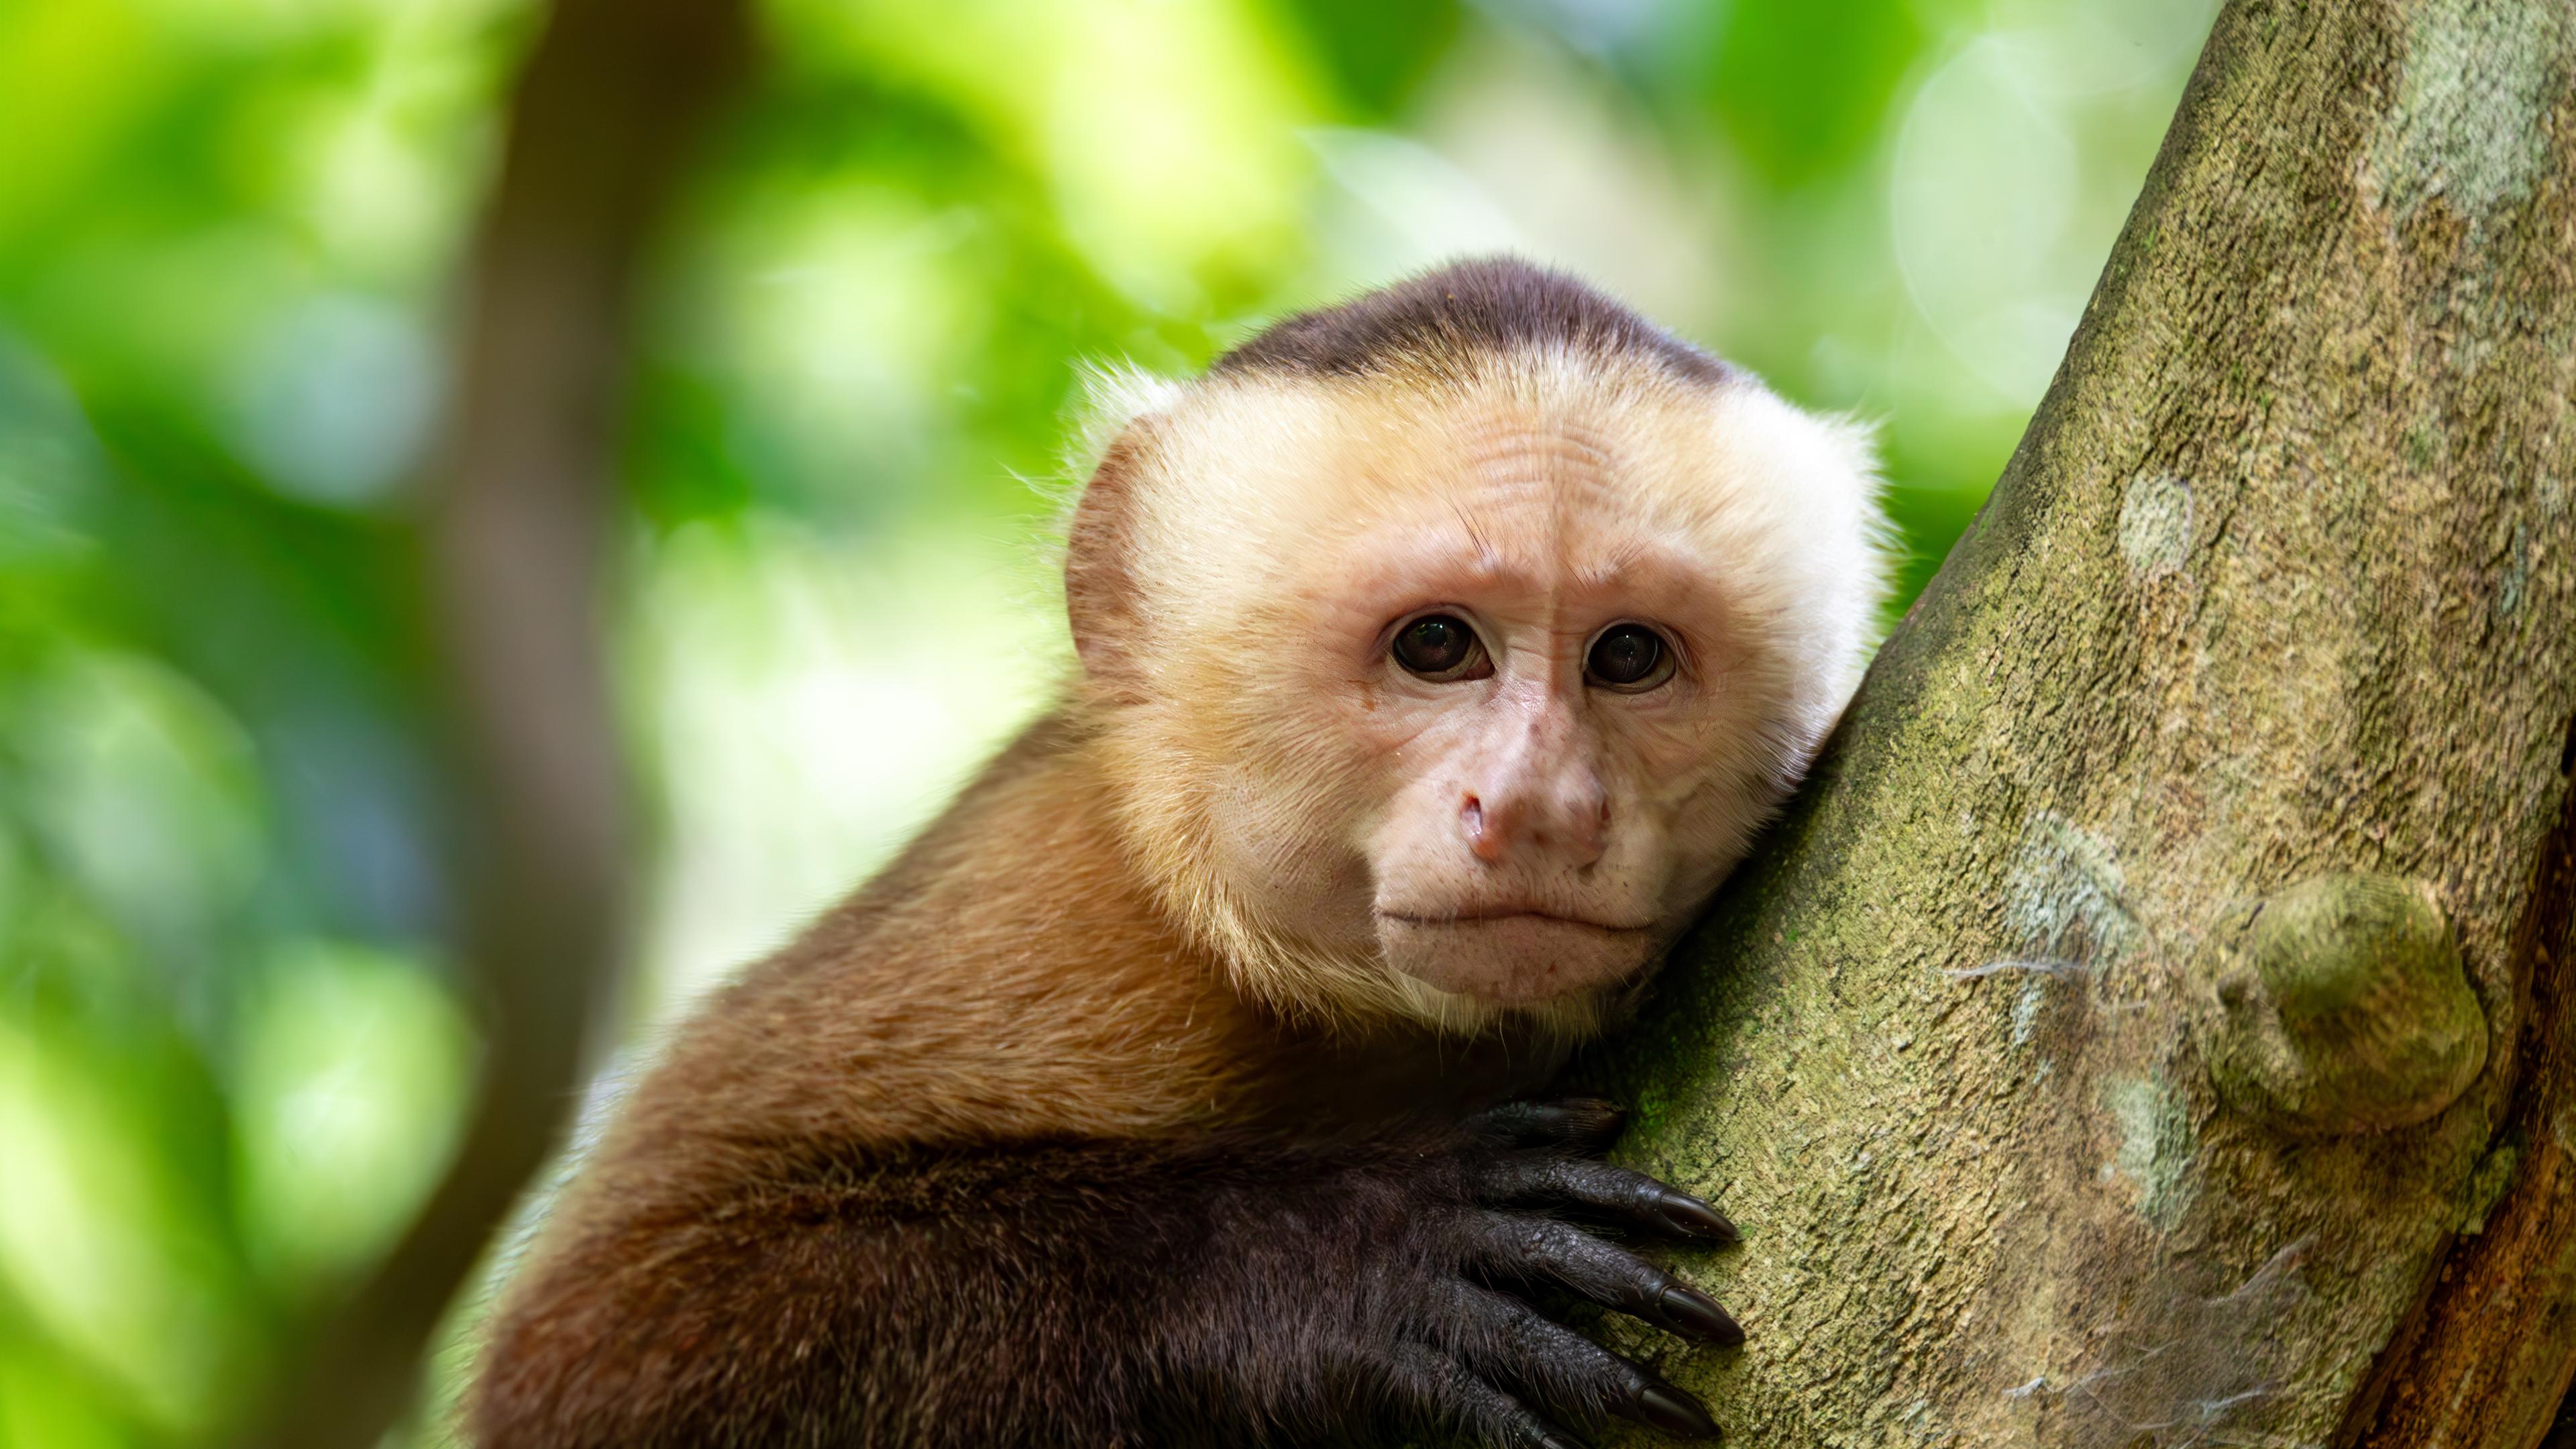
(600, 130)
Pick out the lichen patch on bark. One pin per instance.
(2063, 895)
(2477, 84)
(2155, 523)
(2156, 1145)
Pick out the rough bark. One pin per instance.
(2152, 1027)
(518, 522)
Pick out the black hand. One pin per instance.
(1476, 1360)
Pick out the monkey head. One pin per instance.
(1448, 648)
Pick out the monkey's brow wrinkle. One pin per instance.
(1485, 554)
(1564, 441)
(1606, 572)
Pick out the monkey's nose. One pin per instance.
(1579, 830)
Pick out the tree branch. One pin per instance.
(519, 514)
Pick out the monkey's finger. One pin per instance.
(1564, 1370)
(1436, 1390)
(1567, 1256)
(1584, 1123)
(1628, 1196)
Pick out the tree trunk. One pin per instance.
(2151, 1026)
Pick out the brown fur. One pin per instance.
(1006, 980)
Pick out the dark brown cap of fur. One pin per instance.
(1462, 311)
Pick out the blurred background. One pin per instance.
(232, 1055)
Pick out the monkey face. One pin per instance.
(1489, 689)
(1542, 709)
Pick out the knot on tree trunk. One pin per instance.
(2343, 1007)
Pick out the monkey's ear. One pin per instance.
(1099, 572)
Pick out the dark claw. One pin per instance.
(1550, 1251)
(1694, 1314)
(1692, 1218)
(1637, 1200)
(1551, 1439)
(1675, 1412)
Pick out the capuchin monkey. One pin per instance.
(1440, 652)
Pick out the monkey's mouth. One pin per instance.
(1514, 954)
(1497, 915)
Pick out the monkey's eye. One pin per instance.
(1629, 658)
(1440, 647)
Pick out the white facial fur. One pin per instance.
(1355, 839)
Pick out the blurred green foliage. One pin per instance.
(231, 1057)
